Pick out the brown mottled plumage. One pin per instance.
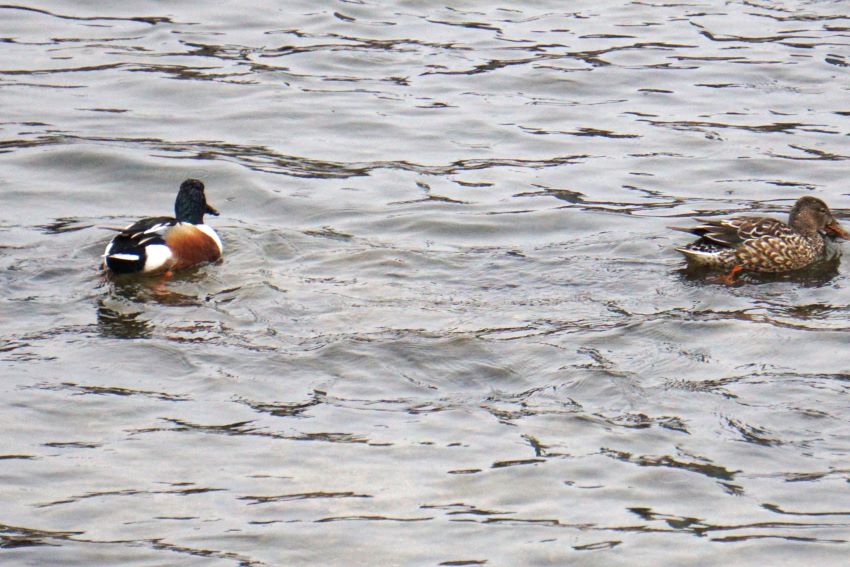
(763, 244)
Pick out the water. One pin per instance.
(449, 327)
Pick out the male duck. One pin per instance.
(162, 244)
(763, 244)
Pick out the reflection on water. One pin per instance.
(817, 275)
(450, 321)
(114, 323)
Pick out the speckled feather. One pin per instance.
(761, 244)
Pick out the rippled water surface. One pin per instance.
(450, 327)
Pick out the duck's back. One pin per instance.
(754, 243)
(141, 247)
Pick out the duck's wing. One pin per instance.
(149, 227)
(141, 246)
(734, 231)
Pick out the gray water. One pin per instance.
(449, 327)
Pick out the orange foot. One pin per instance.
(729, 278)
(159, 286)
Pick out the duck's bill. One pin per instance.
(835, 228)
(212, 210)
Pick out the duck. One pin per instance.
(763, 244)
(165, 244)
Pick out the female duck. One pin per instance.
(763, 244)
(161, 244)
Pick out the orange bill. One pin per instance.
(835, 228)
